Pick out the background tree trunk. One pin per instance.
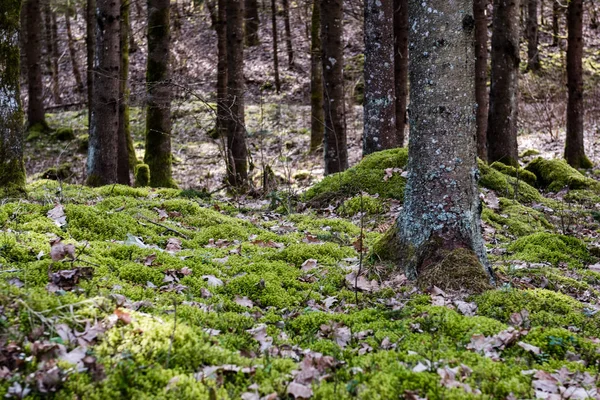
(103, 142)
(401, 66)
(481, 74)
(126, 153)
(90, 42)
(237, 153)
(252, 23)
(33, 54)
(12, 169)
(317, 126)
(288, 32)
(335, 143)
(158, 115)
(533, 55)
(275, 50)
(555, 22)
(502, 119)
(73, 51)
(574, 146)
(441, 207)
(50, 29)
(222, 111)
(379, 105)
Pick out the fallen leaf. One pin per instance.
(531, 348)
(173, 245)
(212, 280)
(299, 391)
(57, 214)
(123, 316)
(309, 265)
(244, 301)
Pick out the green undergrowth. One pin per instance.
(516, 219)
(551, 248)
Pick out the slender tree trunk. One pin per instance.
(103, 142)
(379, 105)
(481, 75)
(574, 147)
(237, 153)
(126, 159)
(275, 51)
(441, 215)
(52, 51)
(73, 52)
(222, 110)
(90, 42)
(502, 120)
(555, 22)
(401, 66)
(33, 54)
(317, 126)
(158, 116)
(288, 32)
(335, 143)
(542, 15)
(533, 55)
(12, 168)
(252, 23)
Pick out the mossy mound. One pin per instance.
(59, 173)
(516, 219)
(550, 248)
(505, 185)
(361, 204)
(368, 176)
(556, 175)
(63, 134)
(520, 173)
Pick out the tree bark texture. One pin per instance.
(12, 169)
(574, 146)
(379, 105)
(73, 53)
(252, 23)
(288, 32)
(481, 74)
(222, 110)
(556, 9)
(502, 118)
(126, 153)
(441, 207)
(90, 43)
(401, 66)
(317, 125)
(103, 142)
(33, 54)
(52, 55)
(237, 152)
(158, 95)
(335, 143)
(275, 46)
(533, 55)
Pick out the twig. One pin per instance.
(172, 335)
(6, 271)
(164, 226)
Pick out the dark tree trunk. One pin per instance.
(317, 126)
(103, 142)
(12, 169)
(288, 32)
(126, 159)
(252, 23)
(401, 66)
(237, 153)
(33, 54)
(555, 22)
(574, 147)
(52, 55)
(335, 147)
(441, 212)
(90, 43)
(158, 91)
(222, 111)
(502, 120)
(481, 74)
(73, 52)
(533, 55)
(379, 105)
(275, 51)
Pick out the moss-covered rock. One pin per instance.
(516, 218)
(550, 248)
(60, 173)
(520, 173)
(63, 134)
(142, 175)
(366, 204)
(506, 185)
(556, 175)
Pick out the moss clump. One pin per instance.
(529, 153)
(505, 185)
(556, 175)
(63, 134)
(551, 248)
(366, 204)
(84, 143)
(517, 219)
(458, 269)
(60, 173)
(367, 176)
(520, 173)
(142, 175)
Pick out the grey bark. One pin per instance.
(533, 55)
(401, 66)
(52, 51)
(90, 43)
(317, 126)
(481, 74)
(288, 32)
(73, 52)
(275, 46)
(33, 55)
(252, 23)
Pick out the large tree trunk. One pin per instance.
(275, 46)
(379, 105)
(335, 147)
(317, 125)
(158, 115)
(126, 153)
(222, 111)
(441, 216)
(52, 55)
(33, 54)
(73, 52)
(533, 55)
(401, 66)
(252, 24)
(288, 32)
(90, 43)
(103, 142)
(12, 169)
(481, 74)
(502, 119)
(574, 146)
(237, 153)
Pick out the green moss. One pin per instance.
(327, 253)
(551, 248)
(60, 173)
(517, 219)
(323, 226)
(556, 175)
(366, 204)
(142, 175)
(529, 153)
(520, 173)
(84, 143)
(367, 176)
(505, 185)
(63, 134)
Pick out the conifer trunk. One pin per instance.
(401, 66)
(317, 126)
(555, 22)
(252, 23)
(50, 29)
(90, 43)
(481, 74)
(126, 153)
(288, 32)
(33, 54)
(533, 56)
(222, 111)
(275, 46)
(73, 52)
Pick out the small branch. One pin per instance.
(164, 227)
